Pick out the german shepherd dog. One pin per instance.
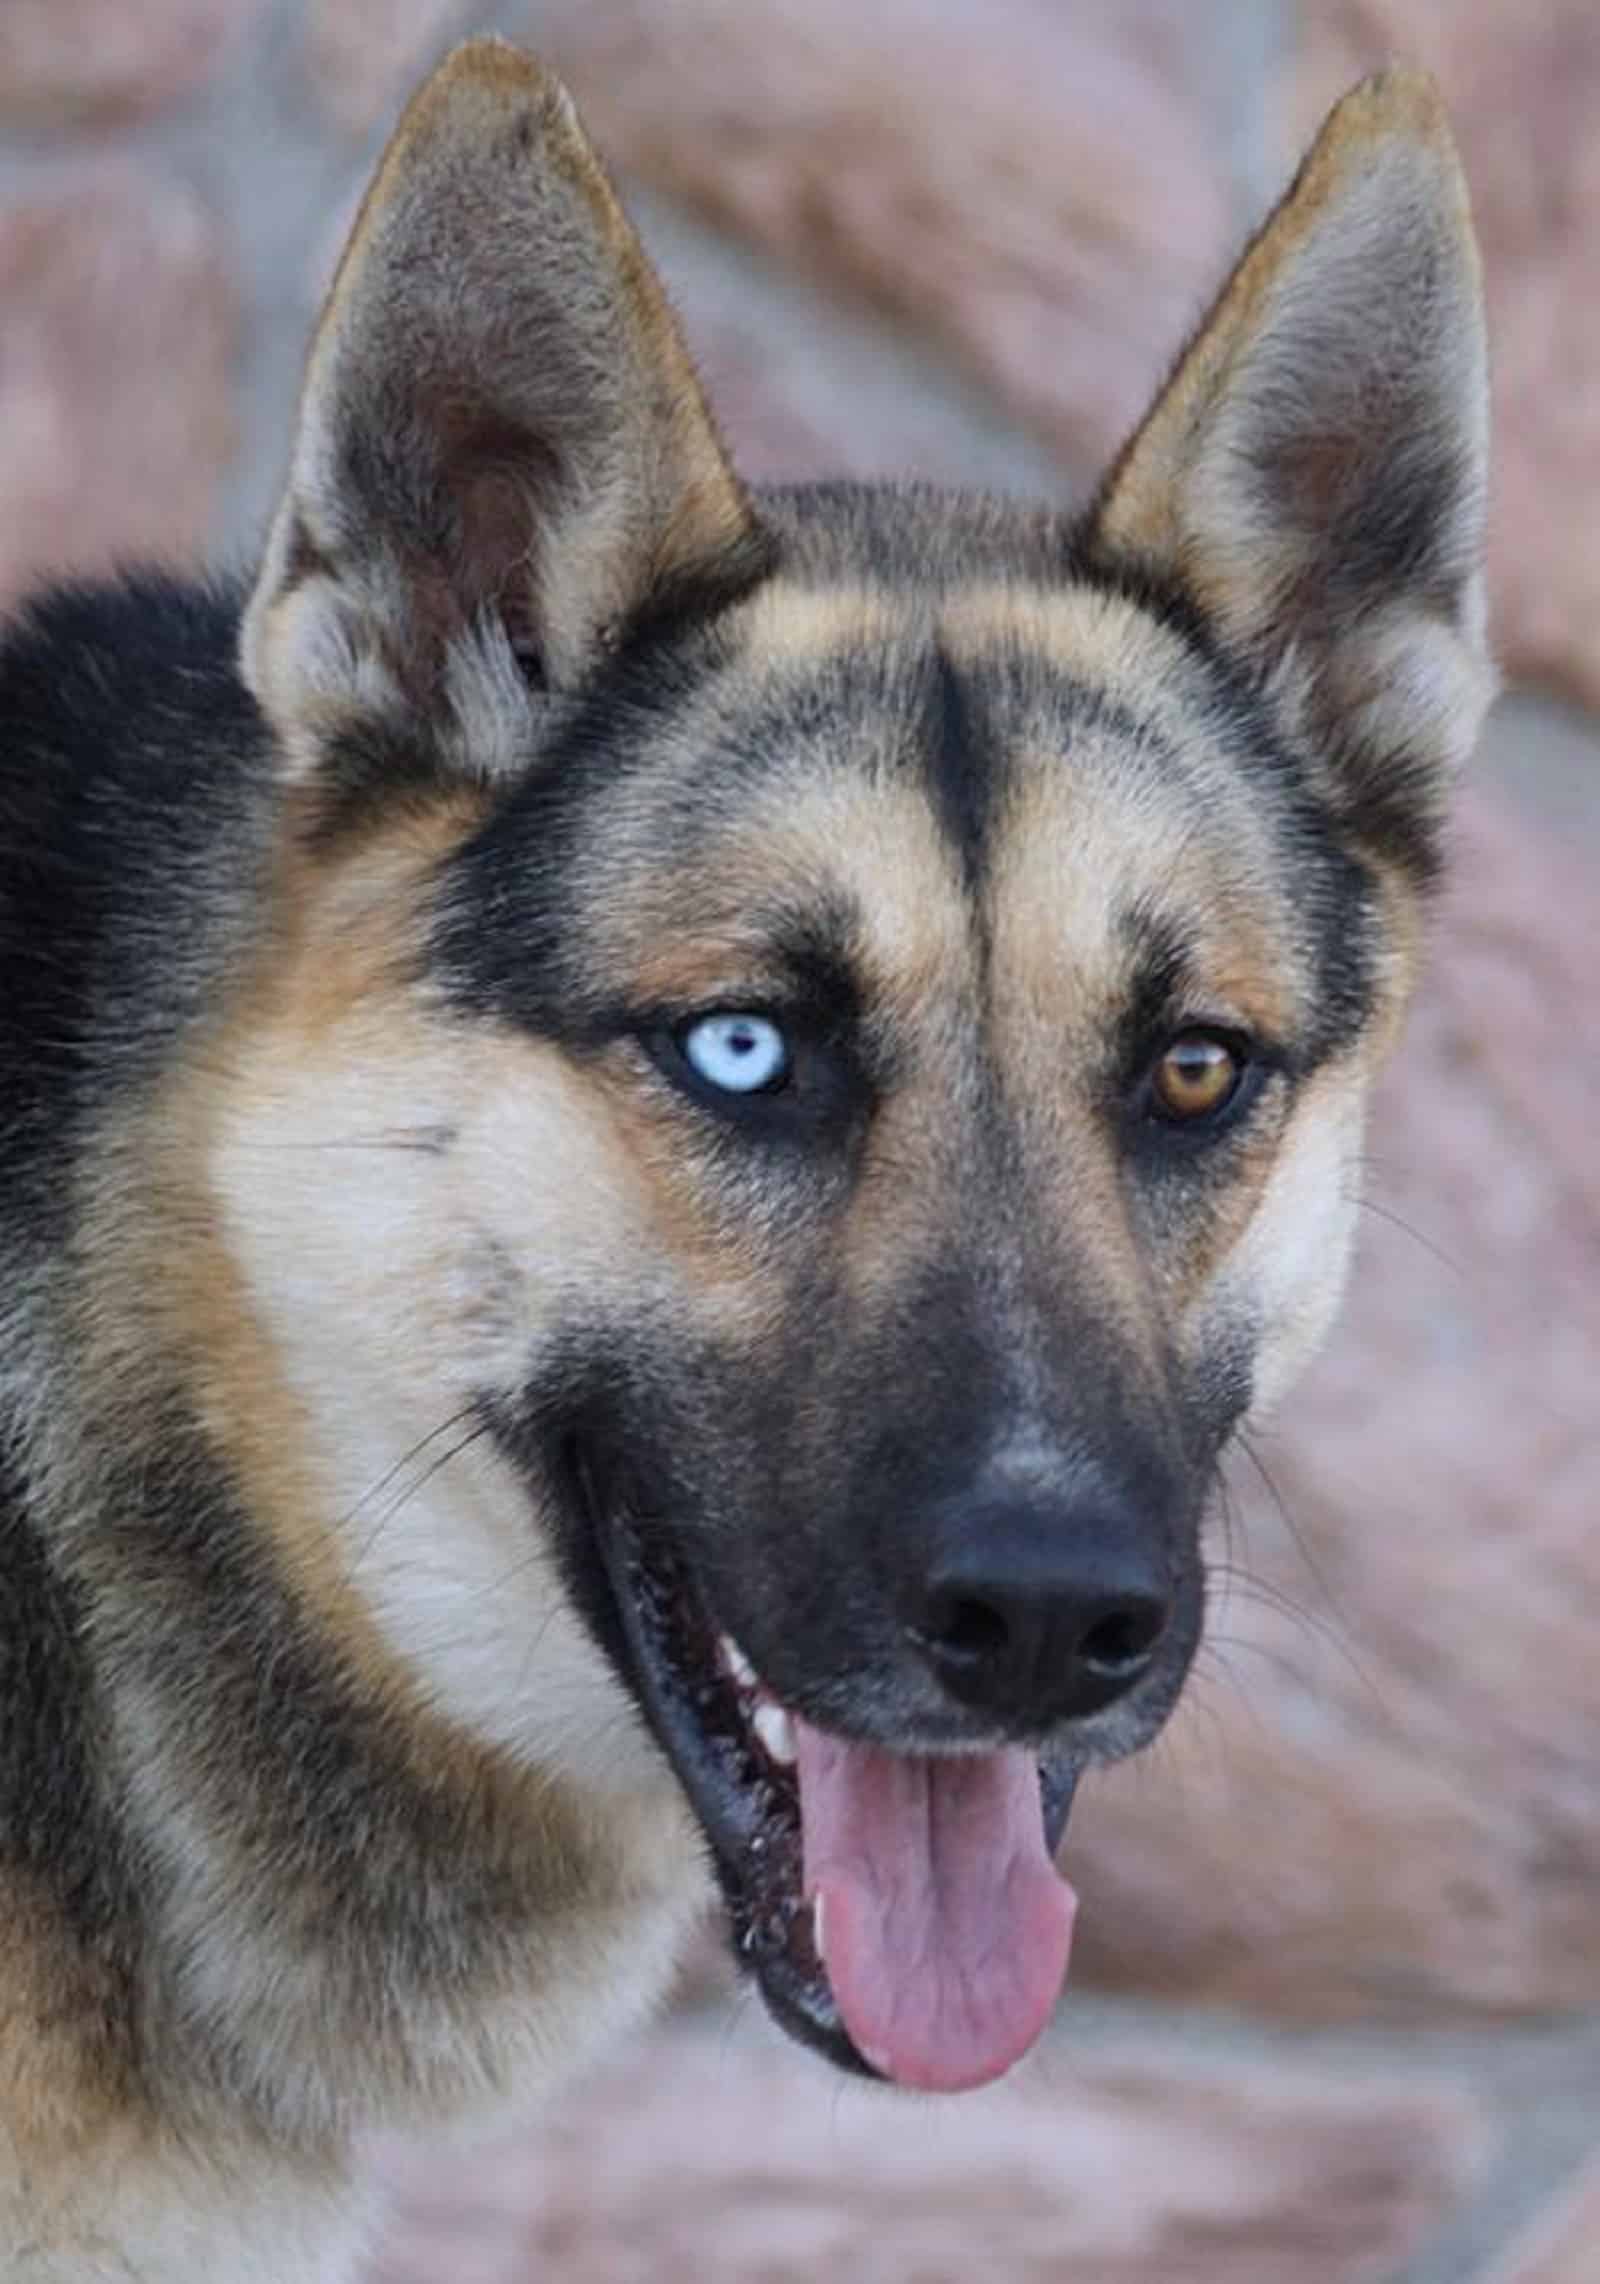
(652, 1138)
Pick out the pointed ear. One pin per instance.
(503, 459)
(1312, 478)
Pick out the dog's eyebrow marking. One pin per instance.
(1167, 985)
(816, 948)
(1161, 968)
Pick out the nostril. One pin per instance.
(1034, 1627)
(1121, 1641)
(965, 1628)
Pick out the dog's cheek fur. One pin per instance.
(1275, 1291)
(392, 1306)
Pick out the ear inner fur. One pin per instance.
(1312, 478)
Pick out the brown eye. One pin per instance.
(1197, 1076)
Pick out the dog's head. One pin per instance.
(827, 1034)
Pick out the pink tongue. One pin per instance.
(945, 1926)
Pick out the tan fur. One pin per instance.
(788, 621)
(64, 2086)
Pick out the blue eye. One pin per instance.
(738, 1053)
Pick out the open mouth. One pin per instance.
(900, 1911)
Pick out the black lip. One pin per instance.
(756, 1854)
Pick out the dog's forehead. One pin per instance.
(1024, 766)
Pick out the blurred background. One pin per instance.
(1336, 2012)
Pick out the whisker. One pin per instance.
(1267, 1594)
(1224, 1646)
(1212, 1669)
(1231, 1525)
(1332, 1630)
(473, 1435)
(406, 1457)
(1398, 1221)
(1302, 1547)
(424, 1141)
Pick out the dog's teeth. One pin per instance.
(816, 1928)
(776, 1731)
(738, 1665)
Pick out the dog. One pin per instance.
(652, 1139)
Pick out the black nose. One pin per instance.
(1039, 1610)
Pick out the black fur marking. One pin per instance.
(54, 1826)
(808, 970)
(1160, 965)
(134, 795)
(373, 768)
(693, 600)
(961, 764)
(505, 943)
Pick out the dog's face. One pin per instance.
(824, 1040)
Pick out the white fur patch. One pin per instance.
(392, 1302)
(1286, 1274)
